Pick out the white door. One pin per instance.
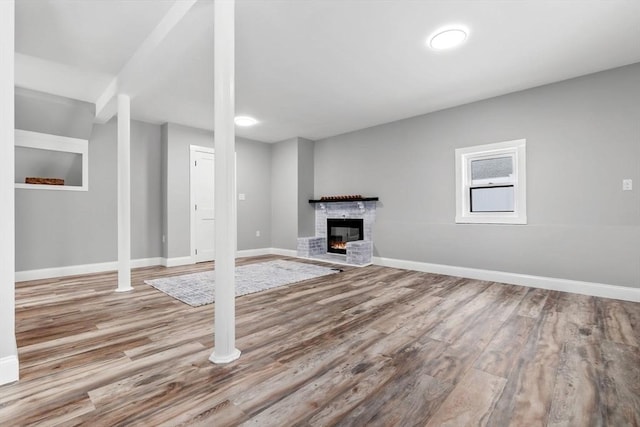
(202, 196)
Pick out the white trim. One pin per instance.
(9, 369)
(24, 186)
(283, 252)
(146, 262)
(177, 261)
(106, 104)
(564, 285)
(43, 141)
(515, 149)
(253, 252)
(193, 149)
(223, 359)
(124, 192)
(70, 270)
(74, 270)
(9, 364)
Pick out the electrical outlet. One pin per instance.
(241, 196)
(257, 233)
(627, 185)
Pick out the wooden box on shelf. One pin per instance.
(43, 181)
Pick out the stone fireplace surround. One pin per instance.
(358, 252)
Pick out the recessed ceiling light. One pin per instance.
(245, 121)
(448, 38)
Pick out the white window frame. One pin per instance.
(464, 156)
(43, 141)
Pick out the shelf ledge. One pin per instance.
(355, 199)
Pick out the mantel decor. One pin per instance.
(340, 199)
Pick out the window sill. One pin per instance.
(520, 220)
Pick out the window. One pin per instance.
(491, 183)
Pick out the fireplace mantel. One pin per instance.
(354, 199)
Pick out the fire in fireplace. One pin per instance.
(341, 231)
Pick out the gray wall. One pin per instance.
(146, 191)
(33, 162)
(254, 181)
(52, 114)
(284, 194)
(306, 212)
(253, 171)
(63, 228)
(583, 138)
(292, 184)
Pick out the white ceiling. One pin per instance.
(317, 68)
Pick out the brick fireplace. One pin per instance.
(343, 231)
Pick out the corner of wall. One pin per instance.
(9, 368)
(284, 190)
(306, 172)
(164, 148)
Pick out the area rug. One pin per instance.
(198, 289)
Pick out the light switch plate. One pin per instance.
(241, 196)
(627, 185)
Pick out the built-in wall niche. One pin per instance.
(53, 157)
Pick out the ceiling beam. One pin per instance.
(43, 75)
(132, 75)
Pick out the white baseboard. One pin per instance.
(244, 253)
(177, 261)
(283, 252)
(186, 260)
(74, 270)
(574, 286)
(9, 369)
(145, 262)
(253, 252)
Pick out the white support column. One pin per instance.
(225, 213)
(124, 194)
(8, 351)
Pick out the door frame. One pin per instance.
(193, 149)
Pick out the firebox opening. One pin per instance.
(341, 231)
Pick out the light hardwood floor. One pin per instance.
(368, 346)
